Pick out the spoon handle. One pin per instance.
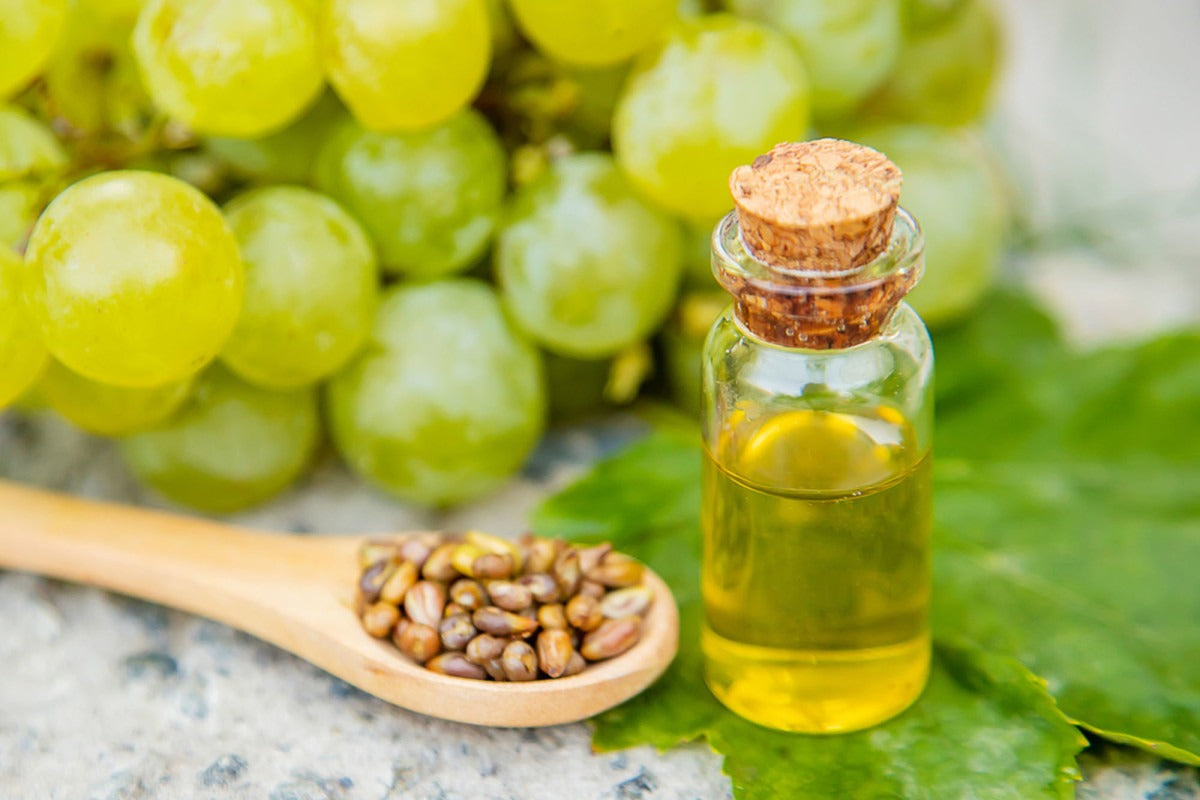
(298, 593)
(192, 564)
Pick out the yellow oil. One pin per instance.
(816, 568)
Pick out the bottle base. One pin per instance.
(815, 691)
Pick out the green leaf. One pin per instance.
(646, 488)
(1006, 337)
(983, 385)
(1088, 574)
(1009, 389)
(984, 727)
(1067, 538)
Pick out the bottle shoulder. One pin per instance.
(902, 352)
(905, 331)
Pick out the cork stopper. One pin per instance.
(826, 205)
(816, 215)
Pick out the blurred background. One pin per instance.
(1091, 120)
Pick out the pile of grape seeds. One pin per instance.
(479, 606)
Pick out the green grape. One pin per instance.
(921, 14)
(503, 32)
(21, 351)
(231, 446)
(585, 265)
(953, 189)
(716, 93)
(91, 85)
(428, 198)
(945, 72)
(286, 156)
(593, 33)
(446, 402)
(20, 202)
(201, 169)
(311, 287)
(26, 146)
(107, 410)
(123, 12)
(28, 32)
(848, 46)
(229, 67)
(697, 255)
(133, 278)
(405, 64)
(542, 101)
(574, 387)
(30, 160)
(591, 119)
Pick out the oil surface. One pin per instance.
(816, 569)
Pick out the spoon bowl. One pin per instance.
(298, 593)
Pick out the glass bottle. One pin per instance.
(817, 421)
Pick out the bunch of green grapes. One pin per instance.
(454, 221)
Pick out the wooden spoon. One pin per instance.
(297, 592)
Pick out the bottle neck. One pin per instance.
(812, 332)
(792, 307)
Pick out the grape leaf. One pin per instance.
(1085, 578)
(1067, 535)
(1068, 517)
(984, 728)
